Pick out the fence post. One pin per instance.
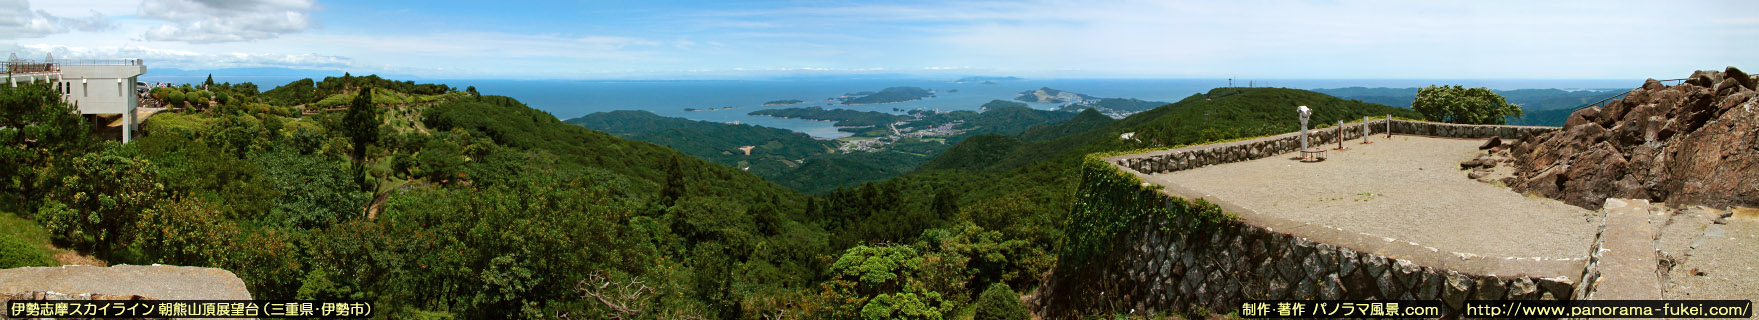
(1389, 126)
(1365, 132)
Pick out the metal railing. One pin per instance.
(51, 66)
(29, 67)
(98, 62)
(1603, 102)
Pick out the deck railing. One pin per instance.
(29, 66)
(98, 62)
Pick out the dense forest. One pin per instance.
(444, 204)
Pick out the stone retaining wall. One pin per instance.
(1159, 271)
(1156, 271)
(1211, 154)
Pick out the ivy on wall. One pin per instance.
(1109, 201)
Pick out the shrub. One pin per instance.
(1000, 302)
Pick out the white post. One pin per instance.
(1389, 126)
(1364, 128)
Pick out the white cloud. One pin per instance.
(180, 59)
(17, 20)
(209, 21)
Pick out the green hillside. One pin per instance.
(1011, 118)
(1087, 120)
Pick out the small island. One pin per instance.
(788, 102)
(1048, 95)
(887, 95)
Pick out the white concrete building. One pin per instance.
(91, 86)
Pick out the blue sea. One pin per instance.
(568, 99)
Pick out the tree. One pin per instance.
(674, 187)
(1457, 104)
(35, 126)
(209, 83)
(98, 197)
(883, 283)
(362, 125)
(472, 91)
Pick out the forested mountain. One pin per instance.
(772, 152)
(818, 166)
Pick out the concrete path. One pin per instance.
(1628, 262)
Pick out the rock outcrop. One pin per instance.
(1696, 142)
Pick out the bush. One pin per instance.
(1000, 302)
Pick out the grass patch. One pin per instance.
(23, 243)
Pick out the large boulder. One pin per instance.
(1692, 143)
(1741, 77)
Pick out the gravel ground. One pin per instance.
(1408, 188)
(1721, 264)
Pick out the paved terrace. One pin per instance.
(1409, 189)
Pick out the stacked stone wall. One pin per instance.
(1158, 271)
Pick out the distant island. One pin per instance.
(986, 80)
(783, 102)
(1048, 95)
(1117, 108)
(887, 95)
(709, 109)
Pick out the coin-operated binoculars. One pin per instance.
(1305, 113)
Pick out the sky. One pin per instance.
(1336, 39)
